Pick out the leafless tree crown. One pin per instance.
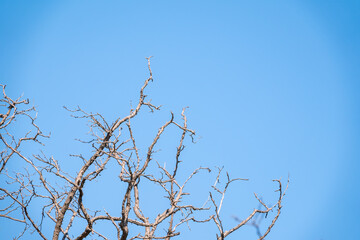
(62, 196)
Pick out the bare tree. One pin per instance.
(62, 195)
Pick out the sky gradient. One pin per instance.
(272, 90)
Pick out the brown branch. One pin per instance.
(97, 154)
(62, 194)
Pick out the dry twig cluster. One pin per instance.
(62, 195)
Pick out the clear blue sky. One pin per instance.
(272, 88)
